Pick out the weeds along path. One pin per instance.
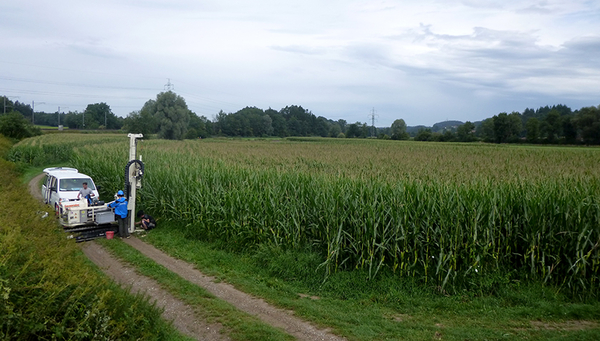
(276, 317)
(182, 315)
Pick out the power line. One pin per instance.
(23, 80)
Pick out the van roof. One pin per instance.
(65, 173)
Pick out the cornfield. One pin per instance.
(452, 216)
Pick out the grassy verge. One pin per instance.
(386, 308)
(239, 325)
(48, 289)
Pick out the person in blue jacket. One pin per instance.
(120, 206)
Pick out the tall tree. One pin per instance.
(142, 121)
(399, 130)
(466, 132)
(533, 130)
(552, 126)
(172, 115)
(100, 115)
(507, 127)
(486, 130)
(353, 130)
(588, 121)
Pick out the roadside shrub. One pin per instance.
(15, 126)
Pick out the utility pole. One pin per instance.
(169, 86)
(373, 122)
(5, 97)
(59, 115)
(33, 111)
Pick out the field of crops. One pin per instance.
(451, 216)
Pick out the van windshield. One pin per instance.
(75, 184)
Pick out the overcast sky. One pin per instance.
(424, 61)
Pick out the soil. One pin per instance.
(34, 187)
(276, 317)
(175, 310)
(565, 325)
(182, 315)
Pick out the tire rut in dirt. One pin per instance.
(182, 315)
(276, 317)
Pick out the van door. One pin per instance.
(46, 189)
(54, 198)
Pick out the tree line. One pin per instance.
(95, 116)
(169, 117)
(558, 124)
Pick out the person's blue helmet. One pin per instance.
(120, 192)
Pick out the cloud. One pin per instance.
(298, 49)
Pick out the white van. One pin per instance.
(63, 184)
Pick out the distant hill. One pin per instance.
(441, 126)
(438, 127)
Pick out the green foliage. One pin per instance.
(486, 130)
(466, 132)
(353, 130)
(100, 115)
(551, 127)
(533, 130)
(172, 114)
(507, 128)
(398, 130)
(58, 148)
(168, 116)
(424, 135)
(588, 121)
(142, 121)
(198, 127)
(289, 121)
(5, 145)
(15, 126)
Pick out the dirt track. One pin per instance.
(276, 317)
(175, 310)
(182, 315)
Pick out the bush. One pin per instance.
(13, 125)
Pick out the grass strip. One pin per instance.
(238, 325)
